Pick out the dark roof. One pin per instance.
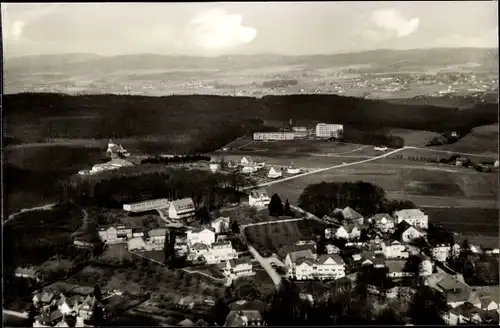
(349, 213)
(235, 262)
(395, 265)
(461, 295)
(295, 256)
(284, 251)
(450, 283)
(49, 318)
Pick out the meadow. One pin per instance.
(482, 139)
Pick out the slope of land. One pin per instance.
(481, 139)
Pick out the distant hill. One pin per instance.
(375, 61)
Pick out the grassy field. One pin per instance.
(482, 139)
(269, 238)
(415, 138)
(300, 146)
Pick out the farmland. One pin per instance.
(415, 138)
(481, 139)
(269, 238)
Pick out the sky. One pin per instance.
(210, 29)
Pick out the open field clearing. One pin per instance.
(405, 182)
(269, 238)
(301, 146)
(482, 139)
(435, 153)
(415, 138)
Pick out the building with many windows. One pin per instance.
(273, 136)
(324, 130)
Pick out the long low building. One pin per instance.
(264, 136)
(324, 130)
(147, 205)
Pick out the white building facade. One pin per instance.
(324, 130)
(273, 136)
(415, 217)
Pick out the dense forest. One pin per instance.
(202, 123)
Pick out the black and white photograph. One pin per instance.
(212, 164)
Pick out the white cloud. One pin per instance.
(215, 29)
(393, 22)
(16, 31)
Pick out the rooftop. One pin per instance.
(409, 213)
(185, 204)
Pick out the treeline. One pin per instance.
(369, 136)
(365, 198)
(279, 83)
(175, 159)
(113, 189)
(200, 123)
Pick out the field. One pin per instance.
(482, 139)
(415, 138)
(300, 147)
(406, 181)
(269, 238)
(478, 225)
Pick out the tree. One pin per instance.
(364, 236)
(235, 227)
(275, 206)
(430, 302)
(166, 249)
(412, 265)
(220, 311)
(321, 245)
(287, 210)
(98, 293)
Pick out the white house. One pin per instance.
(220, 252)
(136, 243)
(220, 224)
(394, 250)
(325, 267)
(406, 232)
(415, 217)
(332, 249)
(108, 235)
(204, 236)
(274, 174)
(214, 167)
(258, 198)
(382, 222)
(440, 252)
(181, 209)
(293, 169)
(249, 169)
(341, 232)
(236, 268)
(156, 236)
(246, 161)
(348, 232)
(147, 205)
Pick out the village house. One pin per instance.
(274, 173)
(489, 297)
(406, 233)
(414, 217)
(441, 252)
(236, 268)
(258, 198)
(329, 266)
(214, 166)
(457, 292)
(221, 224)
(181, 209)
(293, 169)
(292, 258)
(27, 273)
(332, 249)
(85, 241)
(352, 216)
(467, 313)
(220, 252)
(382, 222)
(115, 150)
(136, 243)
(108, 235)
(123, 231)
(204, 235)
(246, 161)
(396, 269)
(370, 258)
(136, 233)
(196, 251)
(394, 249)
(348, 231)
(156, 236)
(244, 318)
(249, 169)
(232, 164)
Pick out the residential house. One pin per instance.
(382, 222)
(246, 161)
(220, 252)
(396, 269)
(489, 297)
(156, 236)
(28, 273)
(108, 235)
(274, 173)
(214, 166)
(85, 241)
(137, 233)
(415, 217)
(406, 233)
(426, 267)
(204, 235)
(293, 169)
(45, 298)
(136, 243)
(47, 318)
(243, 318)
(441, 252)
(394, 249)
(181, 209)
(232, 164)
(196, 251)
(332, 249)
(324, 267)
(467, 313)
(348, 231)
(292, 258)
(258, 198)
(370, 258)
(328, 233)
(456, 292)
(220, 224)
(249, 169)
(353, 216)
(236, 268)
(123, 232)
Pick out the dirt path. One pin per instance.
(25, 210)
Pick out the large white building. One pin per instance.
(219, 252)
(181, 209)
(268, 136)
(415, 217)
(147, 205)
(204, 236)
(258, 198)
(329, 266)
(324, 130)
(238, 268)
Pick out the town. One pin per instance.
(390, 257)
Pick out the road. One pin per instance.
(22, 315)
(45, 207)
(330, 168)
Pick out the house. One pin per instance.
(221, 224)
(348, 231)
(394, 249)
(48, 318)
(489, 297)
(27, 272)
(441, 251)
(214, 166)
(353, 216)
(45, 298)
(232, 164)
(116, 150)
(467, 313)
(370, 258)
(258, 198)
(406, 233)
(136, 243)
(108, 235)
(415, 217)
(460, 161)
(332, 249)
(156, 236)
(246, 161)
(292, 258)
(455, 291)
(288, 249)
(242, 318)
(382, 222)
(181, 209)
(236, 268)
(249, 169)
(123, 232)
(325, 267)
(274, 174)
(204, 235)
(426, 266)
(196, 251)
(220, 252)
(137, 233)
(396, 269)
(293, 169)
(84, 241)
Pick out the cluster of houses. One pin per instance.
(249, 165)
(72, 309)
(117, 154)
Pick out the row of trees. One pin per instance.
(276, 207)
(175, 159)
(366, 198)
